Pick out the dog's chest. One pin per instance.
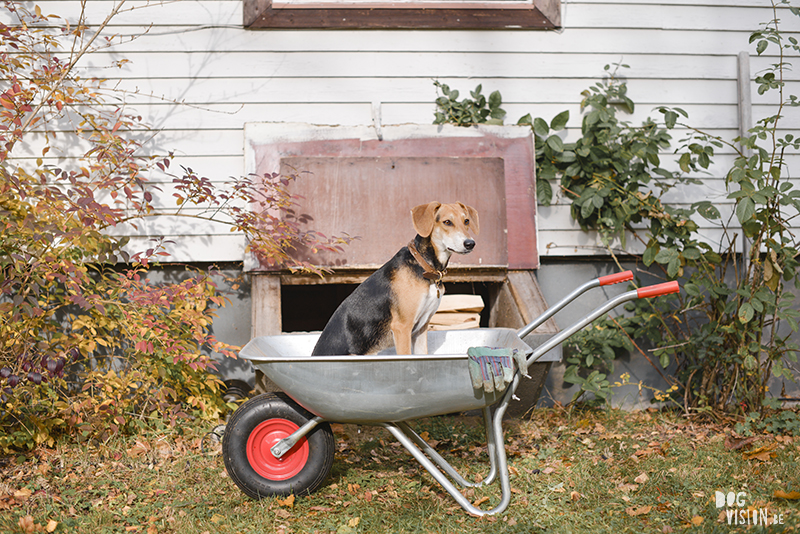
(428, 305)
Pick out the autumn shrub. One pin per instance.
(721, 336)
(88, 345)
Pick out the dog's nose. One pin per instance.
(469, 244)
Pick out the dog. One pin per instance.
(395, 304)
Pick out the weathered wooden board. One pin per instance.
(270, 144)
(371, 198)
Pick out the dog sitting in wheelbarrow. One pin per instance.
(395, 304)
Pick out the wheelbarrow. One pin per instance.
(279, 444)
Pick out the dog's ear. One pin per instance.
(423, 217)
(472, 213)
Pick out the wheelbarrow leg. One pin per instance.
(445, 466)
(497, 457)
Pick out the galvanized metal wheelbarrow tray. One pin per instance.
(273, 446)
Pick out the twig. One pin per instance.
(640, 350)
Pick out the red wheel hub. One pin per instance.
(263, 438)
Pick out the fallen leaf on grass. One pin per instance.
(697, 520)
(574, 495)
(792, 495)
(287, 502)
(163, 450)
(138, 449)
(480, 501)
(23, 494)
(733, 444)
(641, 510)
(26, 524)
(600, 429)
(653, 447)
(7, 502)
(762, 453)
(29, 526)
(321, 509)
(427, 437)
(642, 478)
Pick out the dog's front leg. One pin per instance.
(420, 342)
(402, 337)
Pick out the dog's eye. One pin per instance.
(448, 222)
(466, 222)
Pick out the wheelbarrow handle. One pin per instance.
(555, 308)
(658, 290)
(644, 292)
(615, 278)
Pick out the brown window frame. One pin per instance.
(487, 15)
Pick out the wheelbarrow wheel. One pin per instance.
(251, 432)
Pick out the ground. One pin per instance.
(583, 471)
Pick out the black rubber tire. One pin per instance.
(251, 418)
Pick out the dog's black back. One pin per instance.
(362, 322)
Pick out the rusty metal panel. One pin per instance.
(372, 197)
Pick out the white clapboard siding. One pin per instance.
(228, 38)
(207, 248)
(292, 90)
(197, 77)
(428, 65)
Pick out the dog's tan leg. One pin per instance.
(402, 337)
(409, 290)
(421, 342)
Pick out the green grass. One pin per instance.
(581, 471)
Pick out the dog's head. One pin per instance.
(448, 225)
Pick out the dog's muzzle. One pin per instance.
(469, 244)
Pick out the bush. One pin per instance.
(87, 344)
(721, 333)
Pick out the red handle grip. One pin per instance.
(657, 290)
(615, 278)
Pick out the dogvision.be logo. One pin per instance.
(738, 513)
